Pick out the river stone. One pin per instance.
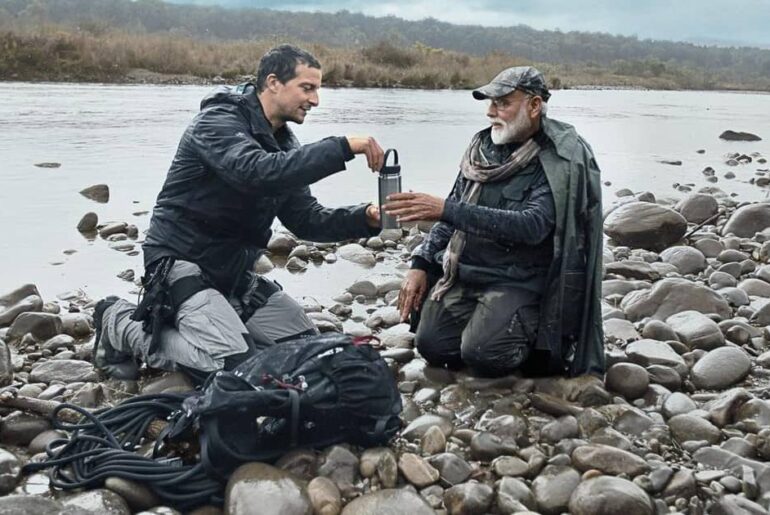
(691, 427)
(671, 296)
(721, 368)
(719, 280)
(10, 471)
(340, 465)
(687, 260)
(357, 254)
(709, 247)
(88, 222)
(731, 135)
(677, 404)
(628, 379)
(324, 496)
(263, 265)
(754, 414)
(616, 330)
(77, 325)
(658, 330)
(35, 505)
(433, 441)
(389, 502)
(633, 269)
(387, 316)
(42, 326)
(652, 352)
(417, 471)
(696, 330)
(21, 428)
(748, 220)
(6, 364)
(99, 501)
(609, 496)
(372, 285)
(755, 287)
(64, 370)
(645, 225)
(471, 498)
(511, 489)
(698, 207)
(452, 469)
(736, 505)
(609, 460)
(510, 466)
(268, 489)
(397, 337)
(137, 495)
(282, 243)
(553, 488)
(664, 376)
(98, 192)
(559, 429)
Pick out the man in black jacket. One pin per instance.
(238, 167)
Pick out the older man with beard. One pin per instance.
(516, 248)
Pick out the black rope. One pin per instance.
(103, 444)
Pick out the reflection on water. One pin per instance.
(125, 136)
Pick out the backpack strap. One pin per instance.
(294, 396)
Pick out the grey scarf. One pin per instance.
(478, 169)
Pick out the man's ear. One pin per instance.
(272, 83)
(536, 104)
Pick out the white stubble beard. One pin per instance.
(511, 131)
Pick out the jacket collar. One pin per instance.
(284, 137)
(563, 136)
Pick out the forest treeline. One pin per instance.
(109, 39)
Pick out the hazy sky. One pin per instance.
(703, 21)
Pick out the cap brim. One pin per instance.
(491, 90)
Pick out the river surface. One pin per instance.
(125, 136)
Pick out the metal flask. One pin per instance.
(389, 182)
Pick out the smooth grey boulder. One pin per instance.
(691, 427)
(645, 225)
(42, 326)
(607, 495)
(651, 352)
(698, 207)
(673, 295)
(64, 370)
(696, 330)
(610, 460)
(721, 368)
(628, 379)
(357, 254)
(553, 488)
(687, 260)
(389, 502)
(100, 501)
(98, 193)
(269, 490)
(26, 298)
(748, 220)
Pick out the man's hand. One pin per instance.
(372, 215)
(409, 207)
(369, 147)
(412, 291)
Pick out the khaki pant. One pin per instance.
(207, 327)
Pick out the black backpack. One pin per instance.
(304, 393)
(311, 392)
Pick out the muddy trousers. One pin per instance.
(489, 329)
(207, 328)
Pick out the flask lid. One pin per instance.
(393, 169)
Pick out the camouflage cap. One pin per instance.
(525, 78)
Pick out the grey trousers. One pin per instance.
(490, 329)
(207, 327)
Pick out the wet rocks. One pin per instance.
(417, 471)
(10, 471)
(324, 496)
(273, 490)
(608, 496)
(721, 368)
(20, 428)
(282, 244)
(645, 225)
(99, 501)
(98, 193)
(651, 352)
(21, 300)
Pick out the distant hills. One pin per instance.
(714, 66)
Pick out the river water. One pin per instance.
(125, 136)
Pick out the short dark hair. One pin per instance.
(283, 61)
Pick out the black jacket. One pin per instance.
(231, 177)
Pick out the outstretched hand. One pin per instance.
(410, 207)
(412, 291)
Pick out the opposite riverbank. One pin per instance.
(90, 54)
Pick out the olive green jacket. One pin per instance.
(570, 331)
